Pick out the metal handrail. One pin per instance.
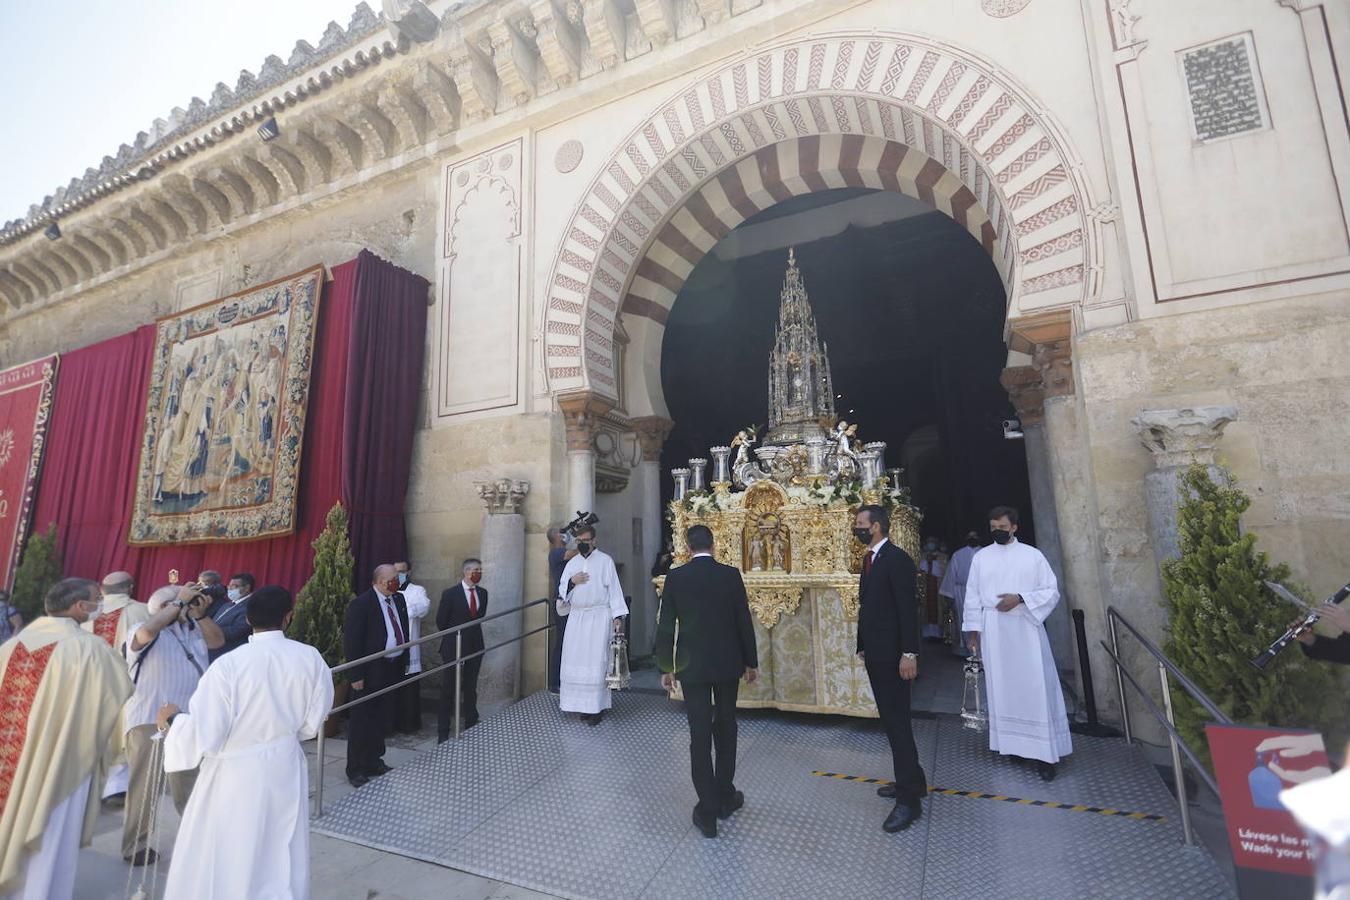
(1165, 716)
(457, 662)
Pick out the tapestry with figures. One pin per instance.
(225, 416)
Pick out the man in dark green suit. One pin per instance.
(716, 649)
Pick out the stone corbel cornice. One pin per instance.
(474, 74)
(658, 21)
(512, 59)
(558, 43)
(605, 31)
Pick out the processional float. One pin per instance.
(782, 512)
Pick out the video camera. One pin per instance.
(583, 519)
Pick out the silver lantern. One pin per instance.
(698, 467)
(973, 713)
(681, 477)
(617, 678)
(721, 466)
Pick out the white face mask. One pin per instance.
(234, 594)
(402, 578)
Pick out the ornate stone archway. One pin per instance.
(888, 111)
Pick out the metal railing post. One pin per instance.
(318, 789)
(1120, 680)
(1178, 775)
(459, 677)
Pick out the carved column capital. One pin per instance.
(1054, 362)
(582, 413)
(1183, 437)
(1027, 392)
(652, 432)
(504, 497)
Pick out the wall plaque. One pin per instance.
(1226, 96)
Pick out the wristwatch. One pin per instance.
(909, 656)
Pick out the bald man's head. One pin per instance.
(117, 583)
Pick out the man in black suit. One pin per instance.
(716, 648)
(888, 644)
(376, 620)
(465, 602)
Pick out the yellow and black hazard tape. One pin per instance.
(1021, 801)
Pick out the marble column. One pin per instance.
(1178, 439)
(1026, 388)
(502, 549)
(582, 413)
(652, 432)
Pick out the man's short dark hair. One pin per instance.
(877, 513)
(999, 512)
(66, 593)
(247, 579)
(699, 538)
(267, 608)
(584, 529)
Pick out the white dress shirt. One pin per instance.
(390, 614)
(419, 604)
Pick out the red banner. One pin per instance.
(25, 406)
(1252, 766)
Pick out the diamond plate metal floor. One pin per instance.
(549, 803)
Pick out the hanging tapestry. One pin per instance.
(25, 406)
(225, 417)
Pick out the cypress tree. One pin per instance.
(1220, 616)
(39, 569)
(322, 603)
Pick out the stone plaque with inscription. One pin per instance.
(1225, 96)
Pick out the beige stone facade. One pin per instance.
(1164, 189)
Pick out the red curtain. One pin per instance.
(387, 345)
(88, 479)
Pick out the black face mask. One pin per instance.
(584, 548)
(864, 535)
(973, 542)
(1000, 536)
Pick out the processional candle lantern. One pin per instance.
(721, 466)
(879, 462)
(973, 714)
(894, 476)
(698, 467)
(869, 462)
(681, 477)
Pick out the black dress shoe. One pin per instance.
(145, 857)
(736, 802)
(887, 791)
(358, 779)
(381, 769)
(903, 816)
(115, 801)
(591, 718)
(707, 826)
(1045, 770)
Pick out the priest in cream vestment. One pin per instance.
(118, 616)
(245, 831)
(1010, 592)
(61, 695)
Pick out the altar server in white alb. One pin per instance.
(1009, 593)
(592, 599)
(245, 832)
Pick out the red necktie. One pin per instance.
(393, 617)
(473, 603)
(867, 561)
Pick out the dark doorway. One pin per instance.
(911, 309)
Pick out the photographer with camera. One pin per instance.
(167, 655)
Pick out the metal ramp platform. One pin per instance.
(544, 801)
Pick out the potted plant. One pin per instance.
(322, 603)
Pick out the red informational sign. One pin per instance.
(1252, 766)
(25, 406)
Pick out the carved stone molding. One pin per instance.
(1054, 362)
(582, 413)
(1183, 437)
(504, 497)
(1027, 392)
(652, 432)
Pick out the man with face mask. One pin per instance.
(592, 599)
(117, 616)
(64, 689)
(376, 620)
(408, 700)
(465, 602)
(953, 589)
(888, 644)
(232, 616)
(1009, 593)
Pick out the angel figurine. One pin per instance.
(745, 473)
(844, 440)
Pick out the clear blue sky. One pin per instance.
(78, 78)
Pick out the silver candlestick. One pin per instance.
(681, 477)
(699, 468)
